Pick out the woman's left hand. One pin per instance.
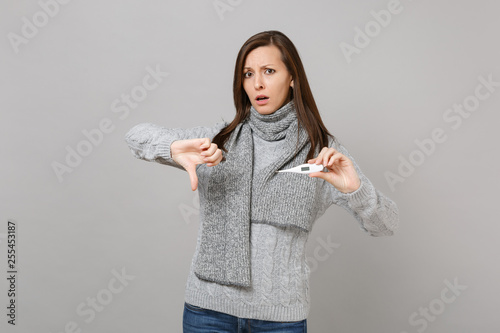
(341, 172)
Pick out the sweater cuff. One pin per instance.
(359, 198)
(163, 150)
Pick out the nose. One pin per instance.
(258, 83)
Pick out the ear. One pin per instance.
(291, 83)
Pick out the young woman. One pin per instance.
(249, 270)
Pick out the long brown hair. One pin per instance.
(307, 112)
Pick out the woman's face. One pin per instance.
(266, 80)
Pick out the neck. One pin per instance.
(271, 127)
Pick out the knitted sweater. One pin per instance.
(279, 271)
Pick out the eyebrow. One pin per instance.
(263, 66)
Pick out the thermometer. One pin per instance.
(305, 168)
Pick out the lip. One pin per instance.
(261, 102)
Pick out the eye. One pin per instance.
(247, 74)
(270, 71)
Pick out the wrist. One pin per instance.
(351, 189)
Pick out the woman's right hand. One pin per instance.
(188, 153)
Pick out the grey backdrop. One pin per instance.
(87, 211)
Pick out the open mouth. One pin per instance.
(262, 97)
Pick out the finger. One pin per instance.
(211, 159)
(219, 159)
(205, 143)
(317, 159)
(328, 154)
(341, 161)
(193, 178)
(210, 150)
(334, 159)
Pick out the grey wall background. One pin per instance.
(63, 72)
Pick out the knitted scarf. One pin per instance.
(281, 199)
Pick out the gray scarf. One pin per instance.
(281, 199)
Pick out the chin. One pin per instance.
(265, 109)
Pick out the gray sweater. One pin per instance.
(279, 272)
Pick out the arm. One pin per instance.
(152, 143)
(376, 214)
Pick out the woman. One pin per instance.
(249, 270)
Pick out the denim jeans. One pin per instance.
(199, 320)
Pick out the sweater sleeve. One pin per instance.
(151, 142)
(376, 214)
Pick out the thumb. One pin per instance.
(193, 177)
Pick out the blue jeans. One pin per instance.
(199, 320)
